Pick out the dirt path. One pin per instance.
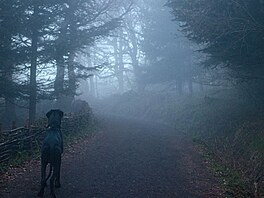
(130, 158)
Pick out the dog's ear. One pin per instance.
(49, 113)
(61, 113)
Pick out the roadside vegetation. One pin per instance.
(226, 128)
(75, 127)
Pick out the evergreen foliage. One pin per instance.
(38, 35)
(230, 31)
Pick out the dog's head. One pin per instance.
(54, 118)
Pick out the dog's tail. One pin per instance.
(52, 160)
(50, 171)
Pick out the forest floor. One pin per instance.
(127, 158)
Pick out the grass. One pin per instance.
(231, 179)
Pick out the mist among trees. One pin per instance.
(197, 65)
(40, 40)
(48, 47)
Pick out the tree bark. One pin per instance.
(8, 93)
(135, 63)
(33, 70)
(190, 86)
(119, 64)
(91, 80)
(59, 79)
(10, 112)
(71, 75)
(96, 87)
(179, 85)
(92, 86)
(201, 87)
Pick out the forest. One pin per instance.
(196, 66)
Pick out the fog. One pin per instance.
(129, 46)
(171, 69)
(147, 50)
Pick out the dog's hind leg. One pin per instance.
(52, 180)
(56, 159)
(43, 179)
(57, 180)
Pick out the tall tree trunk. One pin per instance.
(61, 51)
(8, 93)
(179, 85)
(135, 63)
(10, 112)
(201, 87)
(91, 80)
(10, 109)
(92, 86)
(119, 64)
(87, 87)
(190, 86)
(73, 34)
(121, 67)
(59, 79)
(96, 87)
(71, 75)
(33, 71)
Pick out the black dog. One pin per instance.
(51, 151)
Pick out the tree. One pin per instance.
(38, 18)
(81, 26)
(145, 47)
(169, 56)
(46, 35)
(10, 57)
(230, 31)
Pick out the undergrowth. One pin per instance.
(22, 156)
(231, 179)
(81, 134)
